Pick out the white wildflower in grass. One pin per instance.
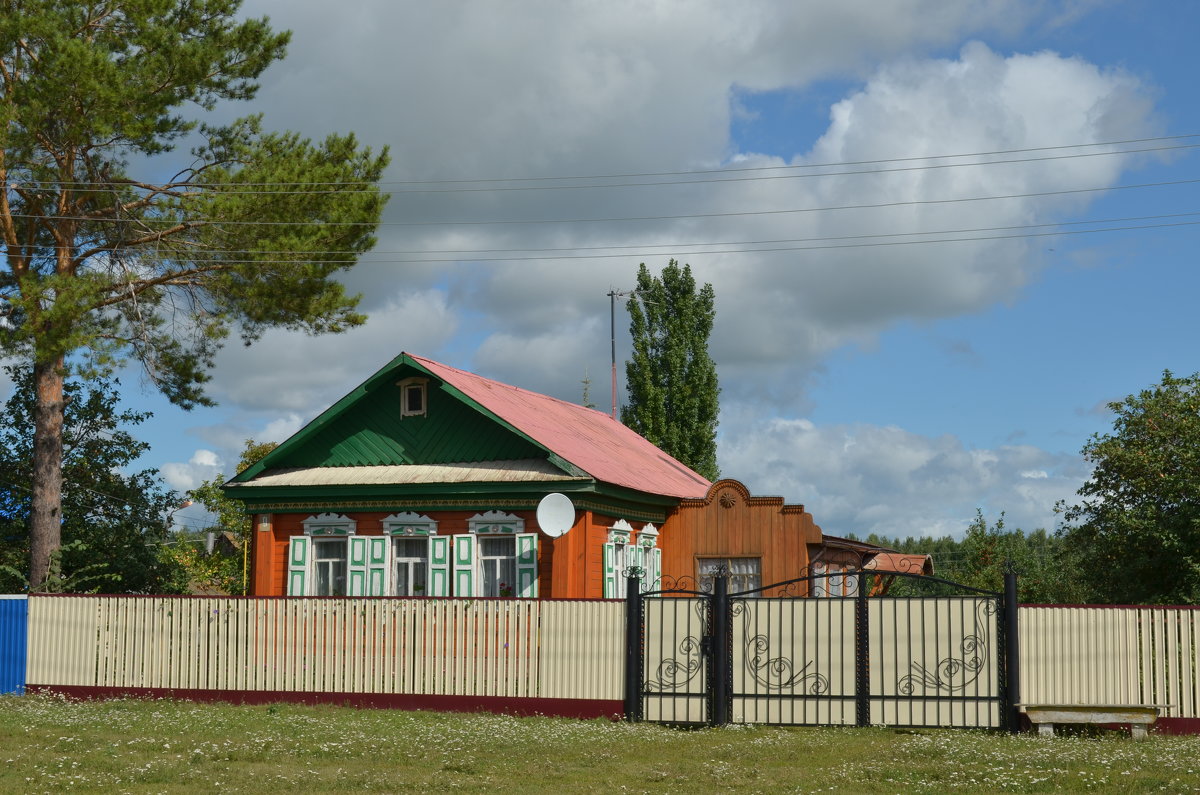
(53, 745)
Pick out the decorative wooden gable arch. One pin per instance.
(731, 523)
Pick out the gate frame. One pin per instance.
(717, 643)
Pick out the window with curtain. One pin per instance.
(498, 565)
(745, 574)
(410, 561)
(329, 566)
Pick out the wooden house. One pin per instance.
(425, 481)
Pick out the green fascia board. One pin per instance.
(612, 501)
(321, 420)
(319, 423)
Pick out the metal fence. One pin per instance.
(13, 635)
(775, 655)
(532, 649)
(1112, 655)
(794, 660)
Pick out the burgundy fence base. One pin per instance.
(1176, 726)
(501, 705)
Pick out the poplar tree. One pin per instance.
(671, 380)
(109, 260)
(1136, 528)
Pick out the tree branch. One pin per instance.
(183, 278)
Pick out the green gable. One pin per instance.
(373, 433)
(365, 428)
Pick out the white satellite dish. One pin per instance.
(555, 514)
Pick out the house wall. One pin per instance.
(730, 522)
(271, 544)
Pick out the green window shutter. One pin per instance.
(356, 566)
(377, 564)
(464, 565)
(610, 571)
(439, 566)
(527, 565)
(299, 548)
(653, 581)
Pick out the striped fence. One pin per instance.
(561, 657)
(1112, 655)
(523, 656)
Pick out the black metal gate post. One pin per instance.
(1012, 655)
(722, 653)
(862, 655)
(633, 648)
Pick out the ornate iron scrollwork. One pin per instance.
(673, 673)
(684, 583)
(955, 673)
(777, 673)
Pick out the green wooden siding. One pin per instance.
(374, 434)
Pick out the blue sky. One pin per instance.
(891, 389)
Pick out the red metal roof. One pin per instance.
(589, 439)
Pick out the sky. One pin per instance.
(942, 236)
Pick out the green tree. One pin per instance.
(219, 572)
(1047, 572)
(1137, 527)
(112, 523)
(671, 379)
(104, 265)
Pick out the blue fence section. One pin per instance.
(14, 620)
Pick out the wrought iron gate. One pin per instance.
(931, 653)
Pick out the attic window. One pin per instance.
(413, 397)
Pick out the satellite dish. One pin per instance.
(555, 514)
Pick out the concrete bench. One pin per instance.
(1139, 716)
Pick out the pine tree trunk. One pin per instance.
(45, 513)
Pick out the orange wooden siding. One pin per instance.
(271, 548)
(731, 523)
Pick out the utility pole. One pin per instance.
(612, 327)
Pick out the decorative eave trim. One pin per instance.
(637, 514)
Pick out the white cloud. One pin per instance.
(481, 89)
(203, 465)
(867, 479)
(291, 372)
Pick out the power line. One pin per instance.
(619, 219)
(237, 188)
(210, 255)
(725, 170)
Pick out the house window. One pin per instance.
(329, 566)
(410, 564)
(496, 558)
(498, 565)
(745, 574)
(413, 396)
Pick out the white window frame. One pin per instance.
(421, 386)
(365, 558)
(302, 552)
(411, 564)
(409, 526)
(617, 559)
(468, 561)
(330, 542)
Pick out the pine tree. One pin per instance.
(671, 380)
(105, 266)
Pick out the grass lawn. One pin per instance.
(53, 745)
